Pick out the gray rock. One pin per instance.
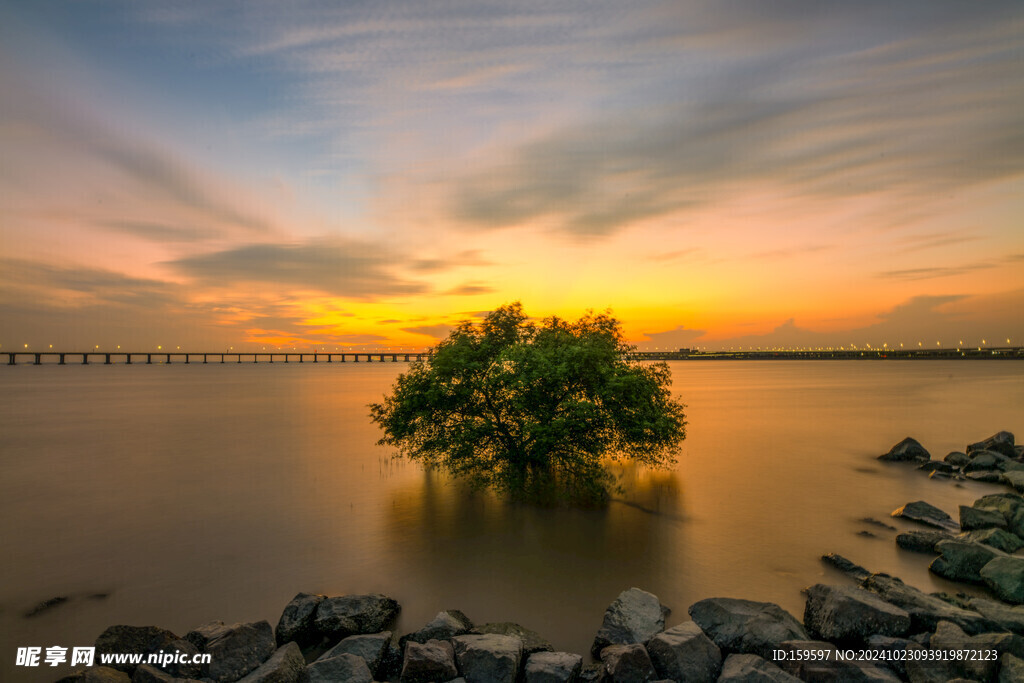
(854, 571)
(634, 617)
(745, 626)
(433, 660)
(926, 611)
(847, 614)
(234, 649)
(753, 669)
(925, 513)
(936, 466)
(552, 667)
(592, 672)
(351, 615)
(962, 560)
(957, 458)
(531, 640)
(997, 538)
(829, 667)
(922, 541)
(445, 625)
(972, 518)
(1005, 578)
(286, 665)
(897, 662)
(371, 647)
(1010, 618)
(1011, 669)
(488, 658)
(684, 653)
(341, 667)
(905, 451)
(297, 620)
(1014, 478)
(1000, 442)
(146, 640)
(950, 638)
(984, 460)
(628, 663)
(985, 476)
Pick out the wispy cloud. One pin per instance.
(345, 268)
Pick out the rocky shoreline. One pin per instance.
(874, 628)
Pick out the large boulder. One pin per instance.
(847, 614)
(685, 653)
(445, 625)
(827, 666)
(433, 660)
(985, 460)
(1000, 442)
(962, 560)
(552, 667)
(146, 640)
(635, 617)
(1000, 539)
(925, 611)
(234, 649)
(923, 541)
(1009, 617)
(906, 451)
(753, 669)
(350, 615)
(1005, 578)
(627, 663)
(746, 626)
(972, 518)
(371, 647)
(297, 620)
(846, 566)
(341, 667)
(926, 513)
(957, 458)
(488, 658)
(979, 666)
(286, 665)
(1014, 479)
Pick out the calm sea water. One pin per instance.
(192, 493)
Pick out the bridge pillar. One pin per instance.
(186, 359)
(85, 359)
(149, 359)
(62, 359)
(204, 359)
(254, 357)
(106, 359)
(39, 359)
(329, 358)
(168, 359)
(238, 357)
(10, 358)
(315, 358)
(127, 359)
(301, 359)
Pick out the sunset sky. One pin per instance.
(366, 174)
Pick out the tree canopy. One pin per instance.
(533, 409)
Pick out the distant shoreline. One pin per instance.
(222, 357)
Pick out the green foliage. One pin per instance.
(533, 410)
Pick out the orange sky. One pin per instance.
(217, 175)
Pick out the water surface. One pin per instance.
(187, 493)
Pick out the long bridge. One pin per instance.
(187, 357)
